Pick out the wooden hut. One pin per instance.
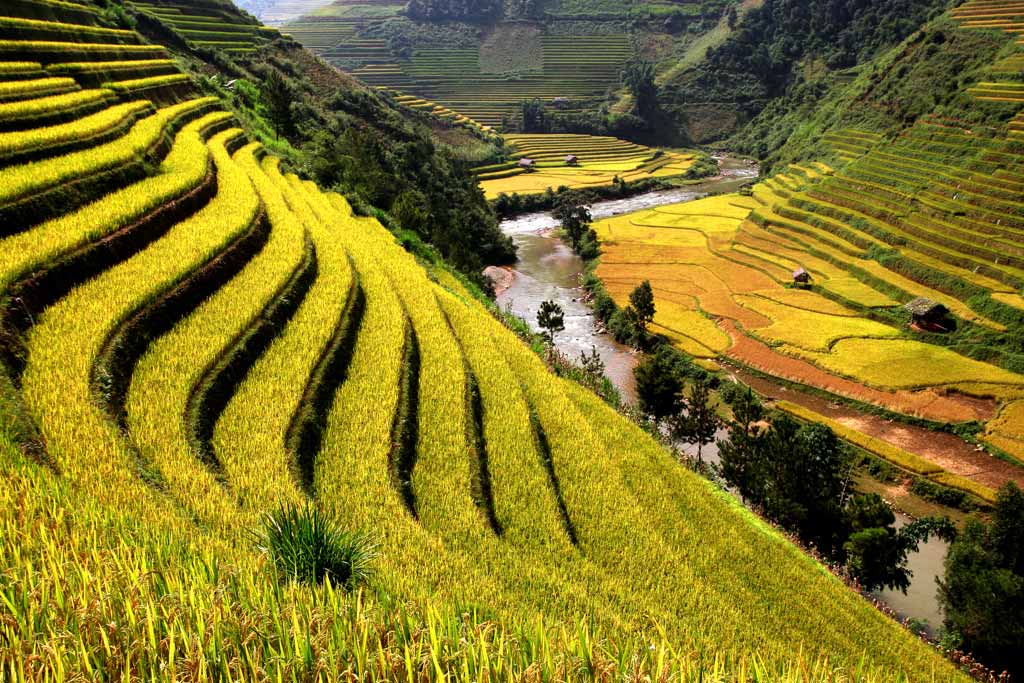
(801, 276)
(929, 315)
(571, 160)
(526, 164)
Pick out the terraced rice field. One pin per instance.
(997, 15)
(599, 160)
(934, 214)
(203, 25)
(578, 69)
(199, 337)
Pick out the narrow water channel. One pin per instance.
(548, 270)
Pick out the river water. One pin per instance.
(547, 269)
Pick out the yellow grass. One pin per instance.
(808, 329)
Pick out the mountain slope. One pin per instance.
(197, 336)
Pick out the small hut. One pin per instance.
(929, 315)
(801, 276)
(571, 160)
(526, 164)
(560, 103)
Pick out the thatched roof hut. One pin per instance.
(801, 276)
(928, 314)
(526, 163)
(571, 160)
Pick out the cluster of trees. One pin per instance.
(536, 117)
(983, 590)
(454, 10)
(638, 76)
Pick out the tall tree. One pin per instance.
(277, 98)
(572, 210)
(658, 383)
(641, 300)
(638, 76)
(699, 423)
(551, 319)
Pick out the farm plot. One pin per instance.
(595, 161)
(707, 262)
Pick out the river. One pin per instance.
(547, 269)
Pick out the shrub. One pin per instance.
(307, 547)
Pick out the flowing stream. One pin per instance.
(548, 270)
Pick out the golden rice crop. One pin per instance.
(143, 83)
(954, 481)
(907, 364)
(9, 68)
(28, 109)
(254, 461)
(38, 87)
(854, 290)
(808, 329)
(65, 343)
(183, 169)
(56, 46)
(74, 30)
(105, 66)
(79, 129)
(19, 181)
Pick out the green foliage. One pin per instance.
(305, 546)
(277, 97)
(641, 304)
(659, 382)
(572, 210)
(551, 319)
(699, 422)
(983, 589)
(638, 76)
(454, 10)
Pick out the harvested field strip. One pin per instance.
(925, 404)
(195, 370)
(20, 185)
(40, 87)
(46, 110)
(65, 344)
(88, 131)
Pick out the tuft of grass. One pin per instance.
(305, 546)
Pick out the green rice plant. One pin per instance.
(27, 179)
(184, 168)
(893, 454)
(77, 131)
(304, 546)
(40, 87)
(32, 110)
(62, 384)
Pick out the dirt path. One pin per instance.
(948, 451)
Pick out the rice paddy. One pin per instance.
(539, 162)
(209, 336)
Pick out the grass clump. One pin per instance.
(305, 546)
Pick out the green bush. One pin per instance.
(305, 546)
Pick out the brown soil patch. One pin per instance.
(927, 404)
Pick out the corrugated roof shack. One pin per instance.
(930, 315)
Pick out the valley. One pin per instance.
(533, 340)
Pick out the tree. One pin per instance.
(740, 455)
(638, 76)
(534, 118)
(876, 551)
(593, 367)
(551, 319)
(572, 210)
(658, 383)
(641, 300)
(277, 97)
(982, 593)
(698, 424)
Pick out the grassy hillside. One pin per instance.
(195, 336)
